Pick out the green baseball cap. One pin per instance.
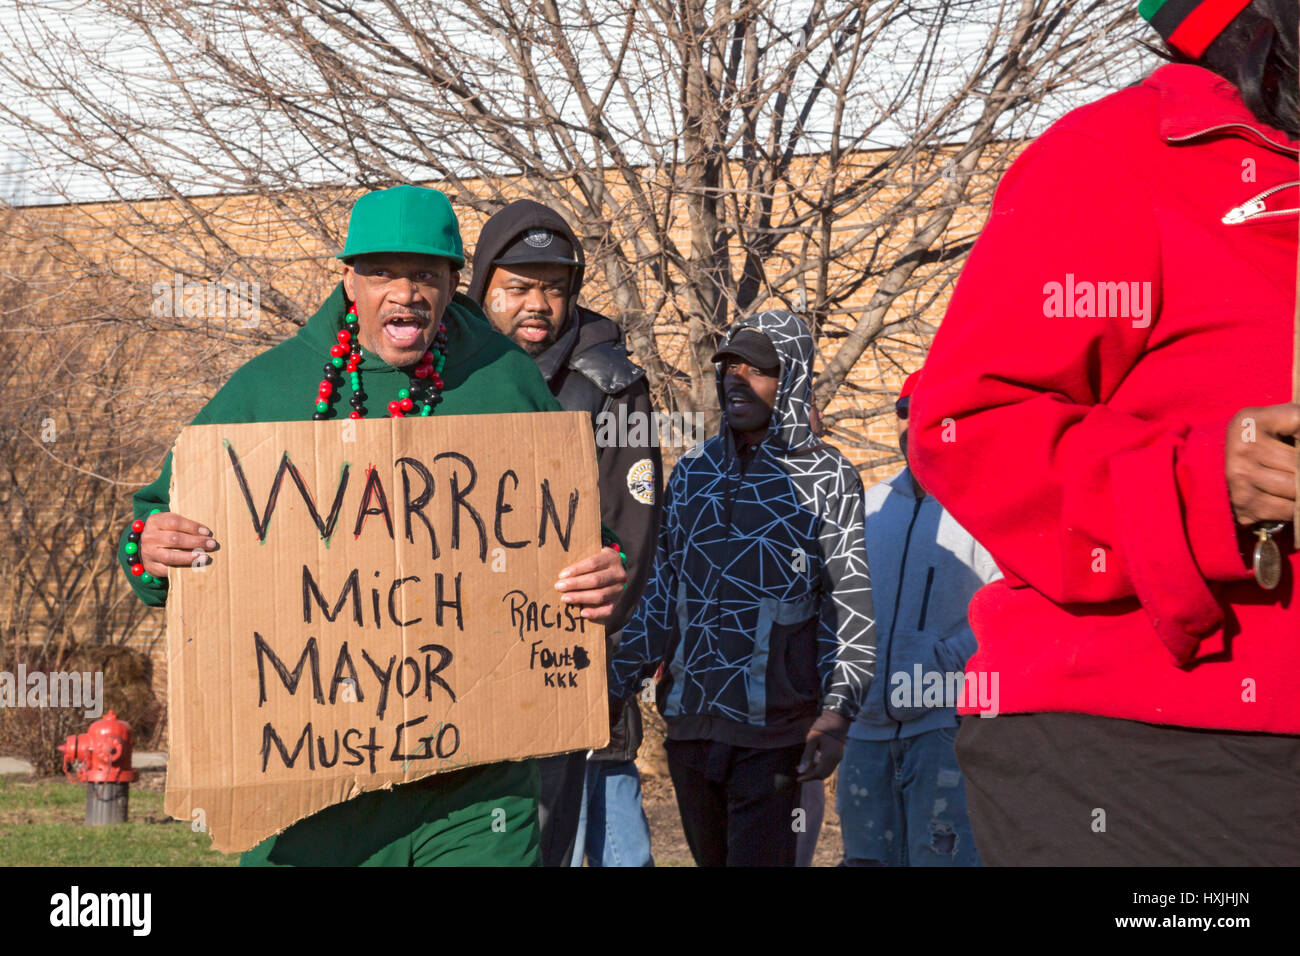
(404, 219)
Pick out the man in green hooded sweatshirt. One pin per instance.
(397, 322)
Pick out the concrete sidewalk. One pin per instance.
(140, 761)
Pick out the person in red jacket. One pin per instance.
(1107, 410)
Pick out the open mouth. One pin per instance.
(737, 402)
(533, 330)
(404, 330)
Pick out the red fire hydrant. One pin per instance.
(104, 756)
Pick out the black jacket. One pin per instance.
(588, 369)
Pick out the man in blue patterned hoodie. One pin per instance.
(760, 602)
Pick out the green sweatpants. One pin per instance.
(483, 816)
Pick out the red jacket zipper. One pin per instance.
(1235, 126)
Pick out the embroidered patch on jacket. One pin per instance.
(641, 481)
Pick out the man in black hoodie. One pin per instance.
(758, 606)
(528, 272)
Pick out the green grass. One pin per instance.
(42, 824)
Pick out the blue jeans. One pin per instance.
(612, 830)
(903, 803)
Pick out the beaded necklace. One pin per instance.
(426, 380)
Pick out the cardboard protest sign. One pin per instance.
(382, 608)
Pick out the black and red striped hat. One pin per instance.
(1189, 26)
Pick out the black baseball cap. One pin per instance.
(538, 246)
(752, 347)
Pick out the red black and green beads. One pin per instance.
(132, 548)
(426, 386)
